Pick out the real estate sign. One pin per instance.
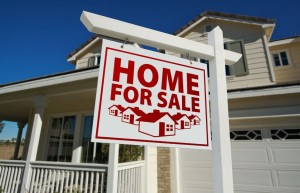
(149, 98)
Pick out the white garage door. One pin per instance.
(266, 161)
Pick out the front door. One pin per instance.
(131, 119)
(161, 129)
(116, 112)
(182, 124)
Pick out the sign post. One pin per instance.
(214, 52)
(222, 163)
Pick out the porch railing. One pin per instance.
(49, 177)
(130, 177)
(11, 175)
(52, 177)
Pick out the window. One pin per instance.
(126, 117)
(281, 58)
(112, 111)
(246, 135)
(92, 152)
(61, 139)
(227, 69)
(169, 127)
(208, 28)
(186, 123)
(94, 61)
(240, 68)
(285, 134)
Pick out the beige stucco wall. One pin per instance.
(291, 72)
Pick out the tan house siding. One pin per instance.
(259, 73)
(82, 61)
(291, 72)
(163, 170)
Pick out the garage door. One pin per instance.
(264, 160)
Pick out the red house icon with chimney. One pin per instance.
(116, 110)
(130, 115)
(195, 120)
(157, 124)
(183, 121)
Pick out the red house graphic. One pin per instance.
(195, 120)
(157, 124)
(116, 110)
(130, 115)
(183, 121)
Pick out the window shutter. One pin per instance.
(240, 68)
(91, 61)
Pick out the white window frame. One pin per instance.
(60, 115)
(288, 58)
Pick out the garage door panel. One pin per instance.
(198, 174)
(189, 155)
(286, 155)
(252, 177)
(288, 179)
(250, 155)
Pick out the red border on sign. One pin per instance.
(142, 140)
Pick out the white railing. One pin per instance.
(49, 177)
(11, 175)
(130, 177)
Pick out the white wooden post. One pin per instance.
(40, 103)
(112, 174)
(222, 163)
(150, 170)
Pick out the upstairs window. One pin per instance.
(94, 61)
(281, 58)
(240, 68)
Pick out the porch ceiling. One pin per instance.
(16, 106)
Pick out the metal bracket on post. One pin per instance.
(222, 163)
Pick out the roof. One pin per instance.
(50, 76)
(287, 40)
(136, 111)
(191, 117)
(178, 116)
(83, 45)
(118, 107)
(225, 15)
(154, 116)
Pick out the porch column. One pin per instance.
(40, 102)
(17, 147)
(150, 172)
(112, 174)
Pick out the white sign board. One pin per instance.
(149, 98)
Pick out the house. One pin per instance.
(194, 119)
(130, 115)
(183, 122)
(157, 124)
(264, 109)
(264, 114)
(116, 110)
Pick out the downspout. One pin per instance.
(269, 58)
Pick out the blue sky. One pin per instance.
(36, 36)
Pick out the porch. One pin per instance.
(58, 155)
(52, 177)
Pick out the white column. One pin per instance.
(112, 174)
(150, 172)
(175, 170)
(17, 147)
(222, 163)
(40, 103)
